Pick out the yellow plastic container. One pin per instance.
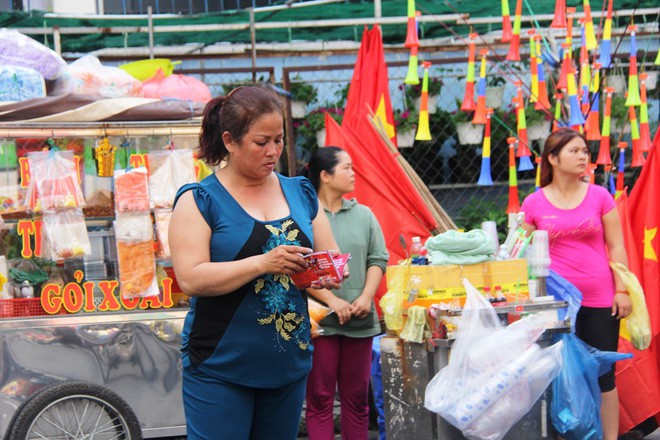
(145, 69)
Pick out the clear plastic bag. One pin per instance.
(134, 227)
(162, 218)
(88, 75)
(638, 323)
(168, 171)
(137, 269)
(54, 176)
(317, 312)
(483, 396)
(132, 190)
(575, 405)
(66, 234)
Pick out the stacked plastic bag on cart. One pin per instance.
(54, 190)
(495, 374)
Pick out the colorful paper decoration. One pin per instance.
(514, 48)
(604, 150)
(644, 131)
(609, 176)
(566, 64)
(506, 22)
(589, 27)
(485, 178)
(620, 170)
(423, 132)
(591, 172)
(542, 102)
(480, 113)
(585, 71)
(576, 118)
(514, 203)
(533, 64)
(468, 104)
(537, 182)
(559, 19)
(592, 125)
(556, 122)
(637, 154)
(569, 27)
(524, 153)
(633, 83)
(412, 39)
(606, 45)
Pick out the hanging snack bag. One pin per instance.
(135, 255)
(11, 199)
(162, 218)
(55, 176)
(66, 233)
(131, 190)
(168, 171)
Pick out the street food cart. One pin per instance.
(79, 357)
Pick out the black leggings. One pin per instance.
(598, 328)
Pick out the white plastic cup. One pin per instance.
(491, 229)
(539, 258)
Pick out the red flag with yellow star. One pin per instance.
(638, 379)
(369, 90)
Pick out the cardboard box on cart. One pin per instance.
(444, 284)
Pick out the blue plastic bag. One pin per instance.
(575, 405)
(564, 290)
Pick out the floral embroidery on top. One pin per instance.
(273, 289)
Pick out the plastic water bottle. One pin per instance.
(418, 253)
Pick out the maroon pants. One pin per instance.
(343, 362)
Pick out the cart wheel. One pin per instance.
(76, 411)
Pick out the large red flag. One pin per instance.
(638, 379)
(370, 86)
(383, 186)
(381, 183)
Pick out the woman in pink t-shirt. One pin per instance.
(584, 234)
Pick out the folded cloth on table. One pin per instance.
(453, 247)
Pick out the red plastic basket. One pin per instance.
(18, 307)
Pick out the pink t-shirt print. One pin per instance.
(577, 242)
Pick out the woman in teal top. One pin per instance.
(236, 237)
(342, 355)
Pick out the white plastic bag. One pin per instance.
(169, 170)
(484, 392)
(88, 75)
(66, 233)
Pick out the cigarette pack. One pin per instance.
(322, 266)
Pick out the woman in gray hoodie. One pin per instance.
(342, 355)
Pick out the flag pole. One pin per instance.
(445, 222)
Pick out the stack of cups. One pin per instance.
(539, 254)
(491, 229)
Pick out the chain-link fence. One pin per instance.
(450, 163)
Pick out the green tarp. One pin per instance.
(393, 34)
